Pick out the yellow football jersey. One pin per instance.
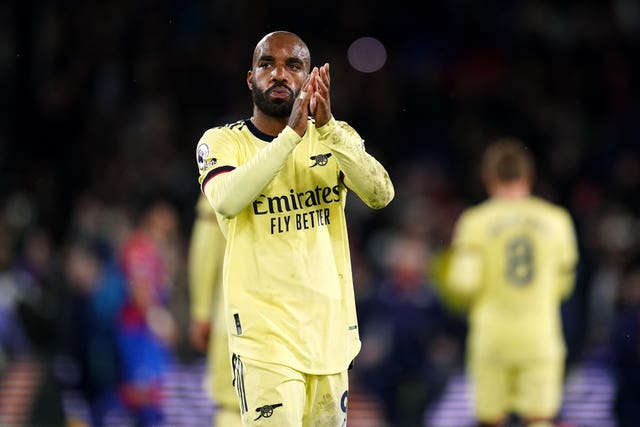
(287, 276)
(515, 260)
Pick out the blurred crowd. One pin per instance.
(105, 102)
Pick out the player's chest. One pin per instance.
(309, 161)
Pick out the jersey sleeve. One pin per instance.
(206, 252)
(362, 172)
(230, 186)
(216, 154)
(464, 272)
(568, 255)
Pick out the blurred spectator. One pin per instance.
(625, 346)
(13, 338)
(615, 238)
(146, 328)
(410, 343)
(39, 275)
(96, 293)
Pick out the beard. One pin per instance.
(280, 108)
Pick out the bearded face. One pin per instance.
(272, 106)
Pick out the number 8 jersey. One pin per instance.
(515, 260)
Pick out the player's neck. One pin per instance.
(510, 190)
(268, 124)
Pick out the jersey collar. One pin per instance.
(257, 132)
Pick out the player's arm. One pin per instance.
(464, 270)
(362, 172)
(568, 257)
(464, 273)
(206, 252)
(230, 189)
(438, 275)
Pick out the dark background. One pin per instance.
(107, 100)
(110, 97)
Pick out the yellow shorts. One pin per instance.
(276, 395)
(529, 389)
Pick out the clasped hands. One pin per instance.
(313, 100)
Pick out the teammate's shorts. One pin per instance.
(219, 373)
(276, 395)
(227, 417)
(531, 389)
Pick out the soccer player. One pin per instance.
(208, 328)
(278, 183)
(514, 259)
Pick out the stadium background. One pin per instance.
(103, 103)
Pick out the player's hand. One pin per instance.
(300, 110)
(162, 324)
(320, 102)
(199, 335)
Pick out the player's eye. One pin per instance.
(295, 65)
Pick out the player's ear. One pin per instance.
(489, 183)
(249, 80)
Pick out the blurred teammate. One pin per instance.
(514, 258)
(208, 329)
(279, 182)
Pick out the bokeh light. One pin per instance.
(367, 54)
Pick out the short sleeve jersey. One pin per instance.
(287, 278)
(521, 252)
